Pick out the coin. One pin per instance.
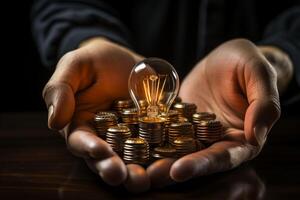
(102, 121)
(136, 150)
(185, 145)
(180, 129)
(116, 135)
(130, 118)
(164, 152)
(119, 105)
(200, 116)
(186, 109)
(209, 131)
(152, 130)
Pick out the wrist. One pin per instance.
(282, 64)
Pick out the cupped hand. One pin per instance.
(238, 84)
(85, 81)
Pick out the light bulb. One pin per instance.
(153, 85)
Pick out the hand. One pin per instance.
(85, 81)
(238, 84)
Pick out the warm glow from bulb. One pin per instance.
(154, 82)
(153, 87)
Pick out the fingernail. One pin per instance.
(50, 113)
(260, 132)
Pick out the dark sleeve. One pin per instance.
(284, 32)
(60, 26)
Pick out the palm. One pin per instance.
(97, 79)
(232, 82)
(101, 92)
(220, 90)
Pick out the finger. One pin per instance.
(137, 180)
(219, 157)
(263, 98)
(159, 172)
(60, 102)
(68, 78)
(112, 170)
(83, 142)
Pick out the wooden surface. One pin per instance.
(34, 164)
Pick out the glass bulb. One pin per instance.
(153, 85)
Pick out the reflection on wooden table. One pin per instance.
(35, 164)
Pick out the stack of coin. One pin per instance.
(104, 120)
(180, 129)
(151, 130)
(136, 150)
(116, 136)
(119, 105)
(209, 131)
(170, 117)
(185, 145)
(164, 152)
(131, 119)
(186, 109)
(182, 119)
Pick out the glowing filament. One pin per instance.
(153, 87)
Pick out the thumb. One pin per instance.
(260, 117)
(60, 102)
(264, 107)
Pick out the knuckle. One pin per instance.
(262, 68)
(93, 148)
(68, 57)
(97, 149)
(71, 60)
(52, 87)
(276, 109)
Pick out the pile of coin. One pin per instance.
(152, 130)
(171, 117)
(186, 109)
(136, 150)
(116, 136)
(137, 137)
(131, 119)
(102, 121)
(178, 130)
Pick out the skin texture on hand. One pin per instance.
(282, 65)
(235, 81)
(85, 81)
(238, 84)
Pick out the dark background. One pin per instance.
(22, 74)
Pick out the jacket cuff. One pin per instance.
(292, 47)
